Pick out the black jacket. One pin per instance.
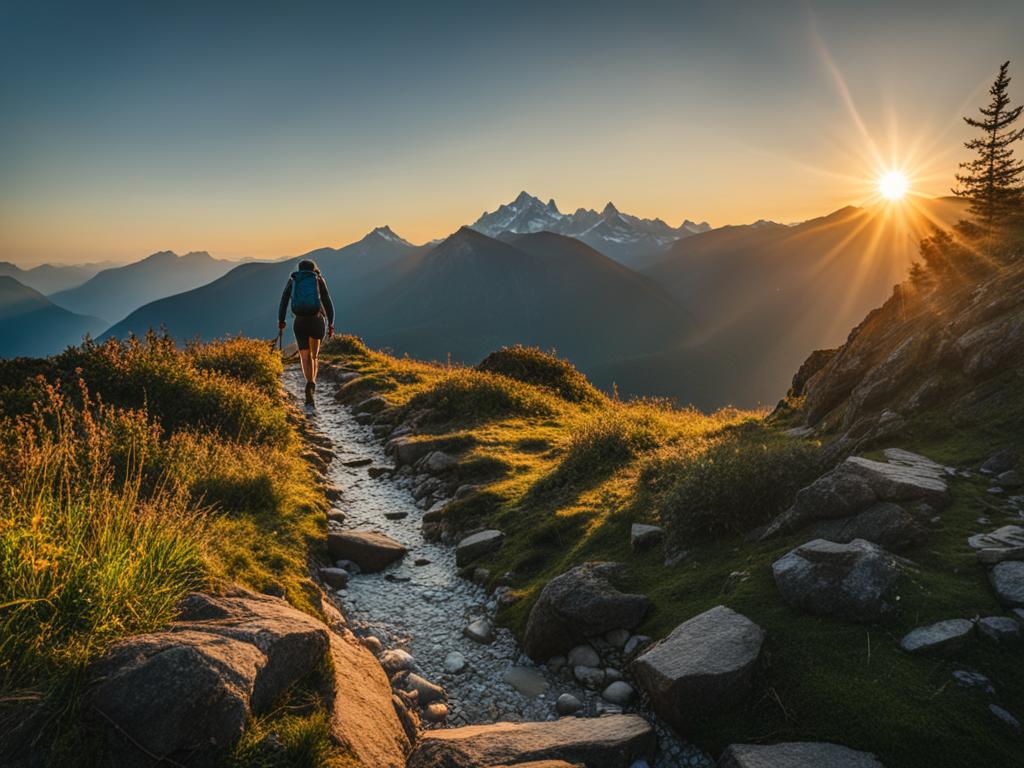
(326, 305)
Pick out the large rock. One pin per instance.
(643, 536)
(370, 550)
(858, 483)
(1008, 582)
(186, 692)
(796, 754)
(705, 665)
(576, 605)
(477, 545)
(942, 637)
(615, 741)
(363, 717)
(884, 523)
(408, 450)
(851, 581)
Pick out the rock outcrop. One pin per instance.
(189, 689)
(851, 581)
(796, 754)
(704, 666)
(614, 741)
(579, 604)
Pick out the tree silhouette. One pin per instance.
(992, 181)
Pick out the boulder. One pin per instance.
(796, 754)
(616, 741)
(884, 523)
(850, 581)
(905, 476)
(583, 655)
(396, 660)
(590, 677)
(438, 462)
(426, 691)
(477, 545)
(1007, 537)
(1000, 629)
(1008, 582)
(189, 689)
(363, 715)
(704, 666)
(1000, 462)
(567, 704)
(1011, 478)
(642, 536)
(408, 450)
(370, 550)
(576, 605)
(619, 692)
(941, 637)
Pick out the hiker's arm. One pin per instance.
(325, 299)
(283, 308)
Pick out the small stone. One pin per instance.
(528, 681)
(357, 462)
(967, 679)
(426, 691)
(396, 515)
(941, 637)
(480, 631)
(477, 545)
(1000, 462)
(421, 561)
(591, 677)
(351, 567)
(454, 663)
(396, 660)
(617, 638)
(584, 656)
(335, 516)
(619, 692)
(438, 462)
(634, 644)
(335, 578)
(436, 712)
(1005, 718)
(372, 644)
(999, 629)
(611, 674)
(568, 704)
(556, 663)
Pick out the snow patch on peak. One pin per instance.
(388, 234)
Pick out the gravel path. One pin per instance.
(423, 609)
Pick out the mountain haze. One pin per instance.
(33, 326)
(50, 278)
(113, 293)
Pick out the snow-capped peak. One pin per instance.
(388, 234)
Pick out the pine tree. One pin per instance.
(992, 181)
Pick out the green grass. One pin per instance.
(132, 473)
(577, 476)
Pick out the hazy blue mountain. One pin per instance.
(33, 326)
(114, 293)
(245, 299)
(625, 238)
(472, 294)
(50, 278)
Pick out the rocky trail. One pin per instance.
(420, 616)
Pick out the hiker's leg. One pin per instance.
(304, 360)
(314, 351)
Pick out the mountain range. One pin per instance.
(113, 293)
(33, 326)
(620, 236)
(50, 278)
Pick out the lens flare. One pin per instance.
(893, 185)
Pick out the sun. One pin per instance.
(893, 185)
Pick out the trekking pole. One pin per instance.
(280, 342)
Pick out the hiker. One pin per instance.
(314, 317)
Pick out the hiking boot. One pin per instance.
(310, 387)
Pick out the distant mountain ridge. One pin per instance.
(114, 293)
(33, 326)
(50, 278)
(615, 234)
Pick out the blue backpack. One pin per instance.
(305, 292)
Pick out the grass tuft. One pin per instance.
(533, 366)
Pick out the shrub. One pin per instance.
(155, 375)
(249, 360)
(85, 555)
(472, 396)
(532, 366)
(743, 479)
(345, 344)
(612, 438)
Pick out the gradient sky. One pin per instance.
(265, 129)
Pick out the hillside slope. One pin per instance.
(32, 325)
(113, 293)
(49, 278)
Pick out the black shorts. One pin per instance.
(308, 327)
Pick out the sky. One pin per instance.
(265, 129)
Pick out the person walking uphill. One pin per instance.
(314, 317)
